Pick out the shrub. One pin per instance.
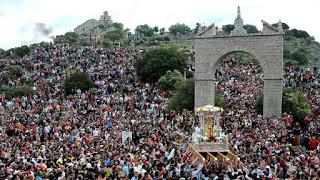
(15, 71)
(162, 31)
(286, 54)
(107, 43)
(170, 80)
(16, 91)
(166, 38)
(293, 102)
(219, 100)
(3, 53)
(144, 30)
(227, 28)
(78, 80)
(250, 28)
(70, 70)
(140, 42)
(180, 29)
(22, 51)
(183, 97)
(300, 58)
(84, 42)
(71, 37)
(114, 35)
(153, 43)
(68, 37)
(102, 26)
(155, 63)
(297, 33)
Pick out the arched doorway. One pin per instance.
(239, 81)
(267, 46)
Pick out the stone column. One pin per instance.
(204, 92)
(272, 97)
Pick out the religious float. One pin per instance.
(209, 136)
(209, 144)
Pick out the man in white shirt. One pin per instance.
(196, 172)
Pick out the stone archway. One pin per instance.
(211, 45)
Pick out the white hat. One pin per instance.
(89, 166)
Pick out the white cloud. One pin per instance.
(19, 16)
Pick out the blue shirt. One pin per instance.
(107, 162)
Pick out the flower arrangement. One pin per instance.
(197, 138)
(212, 138)
(209, 108)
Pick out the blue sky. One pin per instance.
(18, 17)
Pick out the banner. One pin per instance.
(125, 135)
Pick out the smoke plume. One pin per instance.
(42, 29)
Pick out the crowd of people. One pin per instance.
(52, 135)
(269, 147)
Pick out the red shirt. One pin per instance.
(306, 120)
(313, 143)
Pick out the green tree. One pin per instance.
(179, 28)
(299, 57)
(144, 30)
(285, 26)
(198, 25)
(250, 28)
(219, 100)
(116, 32)
(170, 80)
(227, 28)
(286, 54)
(106, 42)
(71, 37)
(114, 35)
(297, 33)
(16, 91)
(101, 26)
(59, 39)
(70, 70)
(3, 53)
(156, 29)
(14, 71)
(293, 102)
(22, 51)
(117, 25)
(183, 97)
(77, 80)
(157, 62)
(162, 31)
(68, 37)
(166, 38)
(84, 41)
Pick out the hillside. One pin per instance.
(303, 51)
(299, 47)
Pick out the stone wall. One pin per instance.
(267, 48)
(86, 27)
(91, 25)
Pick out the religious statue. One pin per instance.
(208, 127)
